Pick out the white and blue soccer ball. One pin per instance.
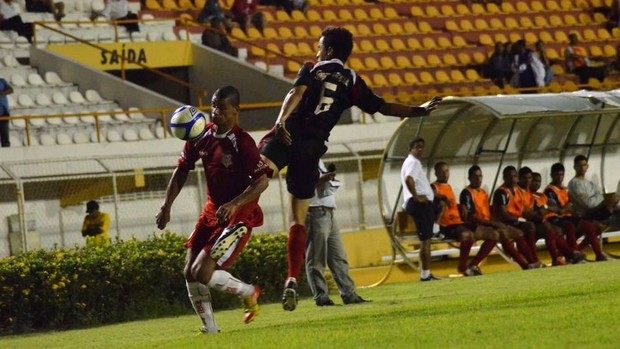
(188, 123)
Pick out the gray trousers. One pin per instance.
(324, 248)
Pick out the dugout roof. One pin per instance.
(496, 131)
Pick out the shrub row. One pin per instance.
(125, 281)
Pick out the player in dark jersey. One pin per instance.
(236, 176)
(321, 93)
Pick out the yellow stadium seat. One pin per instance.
(417, 11)
(254, 34)
(449, 60)
(356, 64)
(609, 51)
(555, 21)
(379, 80)
(603, 34)
(448, 11)
(200, 4)
(426, 78)
(300, 32)
(459, 41)
(595, 84)
(305, 49)
(551, 53)
(554, 87)
(493, 8)
(153, 5)
(387, 63)
(432, 11)
(382, 46)
(466, 25)
(479, 58)
(367, 46)
(379, 29)
(537, 6)
(298, 16)
(414, 44)
(560, 37)
(485, 39)
(451, 26)
(526, 23)
(285, 33)
(511, 23)
(391, 13)
(508, 8)
(530, 38)
(290, 50)
(395, 28)
(429, 44)
(237, 33)
(596, 51)
(463, 10)
(552, 6)
(541, 22)
(360, 15)
(292, 66)
(395, 80)
(282, 16)
(523, 7)
(472, 75)
(434, 61)
(270, 33)
(478, 9)
(494, 90)
(352, 29)
(328, 16)
(443, 42)
(569, 86)
(464, 58)
(599, 18)
(456, 76)
(342, 2)
(273, 49)
(345, 15)
(411, 79)
(328, 2)
(515, 36)
(545, 37)
(589, 35)
(442, 77)
(363, 30)
(410, 28)
(371, 63)
(356, 48)
(496, 23)
(418, 61)
(312, 16)
(269, 17)
(500, 37)
(170, 5)
(403, 62)
(570, 20)
(398, 44)
(186, 5)
(567, 5)
(480, 24)
(256, 51)
(425, 28)
(315, 31)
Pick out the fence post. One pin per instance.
(115, 191)
(22, 215)
(61, 226)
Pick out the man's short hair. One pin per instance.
(536, 174)
(508, 169)
(415, 141)
(524, 171)
(439, 164)
(473, 170)
(340, 40)
(579, 158)
(557, 167)
(230, 93)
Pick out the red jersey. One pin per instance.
(231, 162)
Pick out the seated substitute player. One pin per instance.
(572, 225)
(235, 178)
(544, 213)
(453, 227)
(322, 92)
(475, 202)
(508, 208)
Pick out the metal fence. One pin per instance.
(42, 204)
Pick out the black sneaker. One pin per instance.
(430, 278)
(289, 296)
(472, 271)
(324, 302)
(353, 299)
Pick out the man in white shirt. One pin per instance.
(418, 202)
(118, 10)
(10, 20)
(324, 245)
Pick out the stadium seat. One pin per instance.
(285, 33)
(103, 116)
(92, 96)
(367, 46)
(403, 62)
(432, 12)
(426, 78)
(419, 61)
(411, 79)
(508, 8)
(560, 37)
(596, 51)
(298, 16)
(80, 137)
(328, 16)
(290, 50)
(541, 22)
(360, 15)
(486, 40)
(589, 35)
(382, 46)
(153, 36)
(282, 16)
(18, 123)
(379, 29)
(37, 122)
(417, 11)
(15, 142)
(113, 136)
(609, 51)
(356, 64)
(459, 42)
(449, 60)
(500, 37)
(414, 44)
(54, 121)
(410, 28)
(567, 5)
(456, 76)
(371, 63)
(398, 44)
(70, 119)
(448, 11)
(434, 61)
(442, 77)
(386, 62)
(585, 19)
(557, 69)
(479, 58)
(523, 7)
(526, 23)
(429, 44)
(395, 80)
(390, 13)
(464, 58)
(375, 13)
(492, 8)
(59, 98)
(10, 61)
(515, 36)
(537, 6)
(466, 25)
(270, 33)
(76, 97)
(511, 23)
(444, 42)
(603, 35)
(478, 9)
(63, 138)
(379, 80)
(300, 32)
(555, 21)
(545, 37)
(145, 134)
(530, 38)
(480, 24)
(496, 24)
(47, 140)
(425, 28)
(313, 16)
(599, 18)
(135, 114)
(551, 53)
(472, 75)
(42, 100)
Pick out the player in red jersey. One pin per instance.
(475, 200)
(572, 225)
(321, 93)
(236, 176)
(452, 226)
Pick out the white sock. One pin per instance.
(435, 228)
(425, 273)
(221, 280)
(201, 301)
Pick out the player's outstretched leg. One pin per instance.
(295, 252)
(250, 305)
(229, 236)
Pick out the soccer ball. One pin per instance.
(188, 123)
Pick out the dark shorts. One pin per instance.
(599, 213)
(37, 6)
(301, 157)
(423, 216)
(453, 232)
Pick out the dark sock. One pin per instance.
(483, 252)
(464, 248)
(510, 250)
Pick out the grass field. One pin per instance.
(563, 307)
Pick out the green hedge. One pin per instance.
(127, 280)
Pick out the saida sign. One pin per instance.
(151, 54)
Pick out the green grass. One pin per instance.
(563, 307)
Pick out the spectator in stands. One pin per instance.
(418, 199)
(47, 6)
(452, 226)
(498, 66)
(522, 67)
(5, 89)
(320, 94)
(287, 5)
(211, 10)
(540, 54)
(10, 20)
(613, 15)
(577, 61)
(96, 225)
(587, 199)
(215, 37)
(235, 178)
(324, 245)
(509, 209)
(475, 200)
(245, 13)
(118, 10)
(571, 225)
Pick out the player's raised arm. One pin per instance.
(404, 111)
(291, 101)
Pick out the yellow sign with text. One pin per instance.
(109, 56)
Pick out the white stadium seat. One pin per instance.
(52, 78)
(43, 100)
(47, 139)
(145, 134)
(10, 61)
(34, 79)
(76, 97)
(93, 96)
(63, 139)
(15, 142)
(25, 101)
(18, 81)
(113, 136)
(136, 115)
(37, 122)
(103, 116)
(80, 138)
(54, 121)
(130, 135)
(71, 120)
(18, 123)
(120, 116)
(59, 98)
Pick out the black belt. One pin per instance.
(322, 208)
